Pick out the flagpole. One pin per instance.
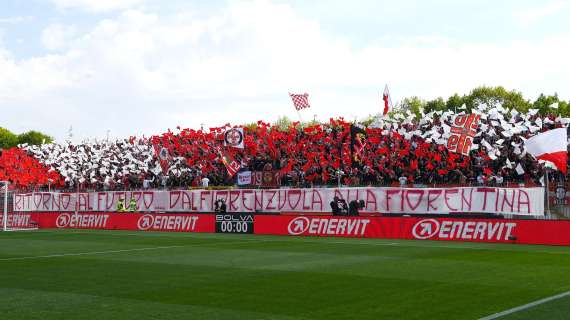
(299, 113)
(546, 192)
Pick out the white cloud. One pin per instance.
(142, 73)
(56, 36)
(15, 19)
(96, 5)
(532, 15)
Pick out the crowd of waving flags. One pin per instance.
(486, 143)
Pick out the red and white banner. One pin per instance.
(126, 221)
(259, 178)
(478, 230)
(266, 178)
(522, 201)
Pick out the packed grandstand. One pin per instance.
(400, 148)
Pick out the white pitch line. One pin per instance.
(87, 253)
(526, 306)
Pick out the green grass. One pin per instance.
(209, 276)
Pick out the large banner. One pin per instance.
(521, 201)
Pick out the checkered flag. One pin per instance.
(300, 101)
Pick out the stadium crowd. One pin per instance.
(400, 149)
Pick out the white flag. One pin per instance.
(519, 169)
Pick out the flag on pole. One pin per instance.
(387, 100)
(234, 138)
(357, 144)
(162, 155)
(550, 146)
(300, 101)
(231, 164)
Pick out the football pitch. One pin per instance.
(80, 274)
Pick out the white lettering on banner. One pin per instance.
(16, 220)
(328, 226)
(167, 222)
(67, 220)
(463, 230)
(522, 201)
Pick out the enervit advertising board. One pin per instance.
(127, 221)
(478, 230)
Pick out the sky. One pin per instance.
(138, 67)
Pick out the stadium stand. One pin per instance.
(400, 149)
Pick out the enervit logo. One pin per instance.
(145, 222)
(425, 229)
(463, 230)
(167, 222)
(66, 220)
(298, 226)
(328, 226)
(63, 220)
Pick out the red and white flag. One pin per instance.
(163, 156)
(228, 160)
(463, 130)
(300, 101)
(387, 100)
(551, 146)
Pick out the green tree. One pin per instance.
(34, 138)
(543, 103)
(436, 105)
(367, 122)
(414, 105)
(497, 95)
(455, 102)
(7, 139)
(283, 123)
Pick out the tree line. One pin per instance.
(509, 99)
(9, 139)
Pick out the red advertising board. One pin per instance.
(478, 230)
(455, 229)
(127, 221)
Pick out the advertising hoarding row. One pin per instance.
(477, 230)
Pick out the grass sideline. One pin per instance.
(80, 274)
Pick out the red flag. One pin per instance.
(387, 100)
(231, 164)
(300, 101)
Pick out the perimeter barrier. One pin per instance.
(546, 232)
